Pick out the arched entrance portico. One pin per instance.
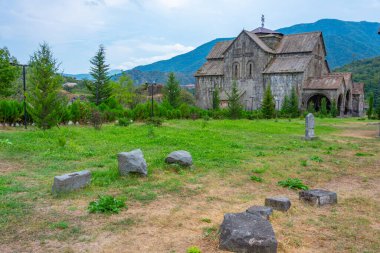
(347, 109)
(316, 101)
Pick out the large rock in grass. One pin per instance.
(132, 162)
(180, 157)
(278, 203)
(72, 181)
(247, 233)
(319, 197)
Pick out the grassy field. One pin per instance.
(175, 208)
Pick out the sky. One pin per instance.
(138, 32)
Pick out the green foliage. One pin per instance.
(234, 106)
(186, 97)
(215, 98)
(172, 91)
(260, 170)
(268, 106)
(61, 141)
(370, 105)
(378, 111)
(106, 204)
(256, 179)
(80, 111)
(334, 109)
(206, 220)
(155, 121)
(323, 111)
(316, 158)
(45, 103)
(293, 183)
(193, 249)
(96, 118)
(125, 122)
(8, 72)
(100, 87)
(311, 107)
(11, 111)
(124, 91)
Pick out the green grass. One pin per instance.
(223, 150)
(293, 183)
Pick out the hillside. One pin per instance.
(367, 71)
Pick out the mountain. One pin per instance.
(112, 72)
(367, 71)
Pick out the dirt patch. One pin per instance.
(7, 167)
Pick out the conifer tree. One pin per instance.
(172, 91)
(378, 111)
(100, 87)
(268, 106)
(45, 103)
(234, 106)
(293, 104)
(334, 109)
(370, 105)
(215, 99)
(285, 109)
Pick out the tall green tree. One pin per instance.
(46, 106)
(100, 87)
(216, 99)
(293, 104)
(234, 106)
(370, 105)
(285, 108)
(8, 72)
(124, 91)
(268, 106)
(334, 109)
(172, 91)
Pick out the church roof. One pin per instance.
(259, 42)
(288, 64)
(298, 43)
(346, 75)
(358, 88)
(219, 49)
(263, 30)
(329, 82)
(211, 68)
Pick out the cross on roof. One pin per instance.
(262, 20)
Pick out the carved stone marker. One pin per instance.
(264, 211)
(278, 203)
(132, 162)
(309, 127)
(246, 232)
(72, 181)
(319, 197)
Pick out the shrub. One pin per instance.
(11, 111)
(193, 249)
(96, 118)
(155, 121)
(106, 204)
(293, 183)
(125, 122)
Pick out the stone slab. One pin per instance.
(278, 203)
(319, 197)
(72, 181)
(264, 211)
(248, 233)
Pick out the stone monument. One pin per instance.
(309, 127)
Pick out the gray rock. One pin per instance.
(70, 123)
(264, 211)
(132, 162)
(247, 233)
(72, 181)
(278, 203)
(180, 157)
(309, 127)
(319, 197)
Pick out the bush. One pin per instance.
(106, 204)
(96, 118)
(155, 121)
(125, 122)
(11, 111)
(293, 183)
(193, 249)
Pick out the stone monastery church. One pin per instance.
(262, 57)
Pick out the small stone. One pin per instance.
(264, 211)
(132, 162)
(319, 197)
(71, 181)
(278, 203)
(70, 123)
(180, 157)
(246, 232)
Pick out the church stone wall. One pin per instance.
(204, 88)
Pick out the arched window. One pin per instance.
(235, 71)
(249, 69)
